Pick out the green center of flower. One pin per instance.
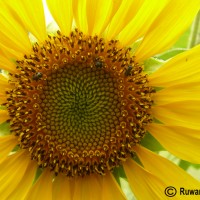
(79, 104)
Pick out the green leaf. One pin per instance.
(185, 165)
(2, 107)
(38, 174)
(121, 179)
(182, 42)
(126, 189)
(152, 64)
(151, 143)
(4, 128)
(170, 53)
(118, 173)
(194, 38)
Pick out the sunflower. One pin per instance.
(78, 102)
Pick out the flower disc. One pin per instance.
(79, 104)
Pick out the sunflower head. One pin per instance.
(79, 100)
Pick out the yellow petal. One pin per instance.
(181, 113)
(7, 143)
(182, 92)
(116, 5)
(62, 188)
(174, 19)
(180, 141)
(80, 13)
(63, 14)
(183, 68)
(87, 188)
(4, 82)
(127, 10)
(111, 189)
(14, 39)
(5, 63)
(31, 15)
(12, 171)
(3, 98)
(92, 17)
(11, 52)
(3, 116)
(99, 13)
(26, 182)
(142, 17)
(144, 184)
(171, 174)
(42, 189)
